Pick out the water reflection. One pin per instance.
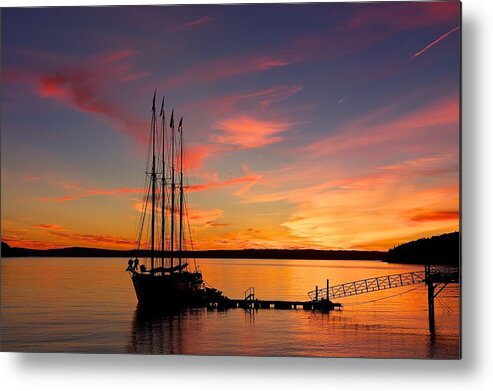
(99, 313)
(157, 332)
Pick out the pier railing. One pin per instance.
(369, 285)
(432, 274)
(250, 294)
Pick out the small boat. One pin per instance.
(166, 279)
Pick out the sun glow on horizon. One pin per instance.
(290, 142)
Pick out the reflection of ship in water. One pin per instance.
(190, 331)
(158, 332)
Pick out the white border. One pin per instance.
(473, 372)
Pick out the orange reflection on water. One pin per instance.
(88, 305)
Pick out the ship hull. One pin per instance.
(168, 291)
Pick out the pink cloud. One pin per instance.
(196, 154)
(86, 85)
(403, 16)
(247, 132)
(371, 24)
(83, 90)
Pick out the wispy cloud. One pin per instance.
(343, 99)
(91, 193)
(16, 240)
(436, 41)
(228, 67)
(196, 23)
(49, 226)
(95, 240)
(205, 218)
(377, 129)
(249, 179)
(30, 178)
(248, 101)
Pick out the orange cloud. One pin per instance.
(204, 218)
(92, 193)
(16, 241)
(378, 208)
(195, 155)
(247, 132)
(48, 226)
(434, 215)
(249, 179)
(95, 240)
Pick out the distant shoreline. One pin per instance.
(439, 250)
(82, 252)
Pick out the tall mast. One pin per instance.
(163, 183)
(180, 130)
(172, 125)
(153, 176)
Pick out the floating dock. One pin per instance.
(249, 301)
(322, 305)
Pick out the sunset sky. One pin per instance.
(330, 126)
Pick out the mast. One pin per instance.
(153, 176)
(172, 125)
(180, 130)
(163, 183)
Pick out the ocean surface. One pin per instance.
(89, 305)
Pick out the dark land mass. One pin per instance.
(438, 250)
(8, 251)
(443, 249)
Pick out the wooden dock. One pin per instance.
(250, 301)
(323, 305)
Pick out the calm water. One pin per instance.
(88, 305)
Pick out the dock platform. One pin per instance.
(323, 305)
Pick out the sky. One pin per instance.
(327, 126)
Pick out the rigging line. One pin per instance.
(379, 299)
(148, 234)
(190, 233)
(144, 213)
(137, 230)
(145, 193)
(141, 221)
